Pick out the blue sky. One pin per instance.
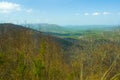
(62, 12)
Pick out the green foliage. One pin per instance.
(38, 67)
(42, 47)
(1, 58)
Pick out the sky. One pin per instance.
(62, 12)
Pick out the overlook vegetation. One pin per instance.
(29, 54)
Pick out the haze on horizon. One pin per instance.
(62, 12)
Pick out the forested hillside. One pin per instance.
(27, 54)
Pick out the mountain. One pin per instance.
(53, 28)
(12, 33)
(27, 54)
(44, 27)
(70, 31)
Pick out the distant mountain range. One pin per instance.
(67, 29)
(70, 31)
(44, 27)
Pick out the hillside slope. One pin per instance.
(27, 54)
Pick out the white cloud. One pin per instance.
(29, 10)
(86, 14)
(96, 13)
(8, 7)
(106, 13)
